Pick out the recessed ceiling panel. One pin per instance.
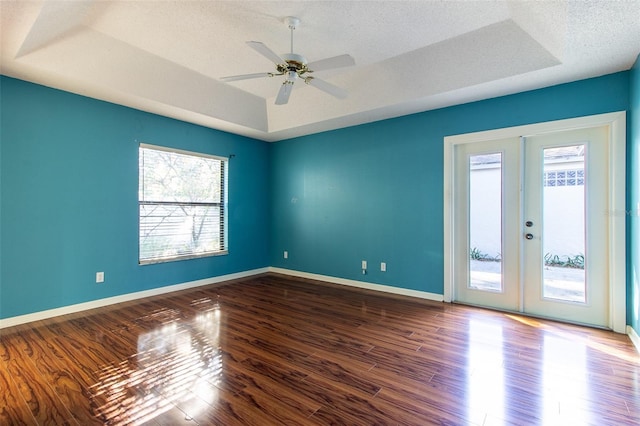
(491, 53)
(120, 70)
(497, 51)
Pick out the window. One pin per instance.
(182, 204)
(574, 177)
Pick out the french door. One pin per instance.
(530, 224)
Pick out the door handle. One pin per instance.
(528, 236)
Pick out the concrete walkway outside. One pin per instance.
(559, 283)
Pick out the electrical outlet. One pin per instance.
(383, 267)
(364, 265)
(286, 254)
(99, 277)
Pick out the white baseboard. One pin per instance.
(360, 284)
(635, 339)
(36, 316)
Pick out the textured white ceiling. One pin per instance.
(167, 57)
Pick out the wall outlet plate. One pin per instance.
(99, 277)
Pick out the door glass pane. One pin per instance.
(563, 238)
(485, 222)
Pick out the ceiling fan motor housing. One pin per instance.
(294, 62)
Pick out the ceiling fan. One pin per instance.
(295, 67)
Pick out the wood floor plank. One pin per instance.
(267, 378)
(14, 410)
(273, 350)
(44, 403)
(433, 410)
(68, 381)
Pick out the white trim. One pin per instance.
(635, 339)
(36, 316)
(182, 151)
(617, 224)
(617, 123)
(360, 284)
(538, 128)
(448, 220)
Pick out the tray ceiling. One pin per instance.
(167, 57)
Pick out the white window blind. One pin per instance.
(182, 204)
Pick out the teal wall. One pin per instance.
(633, 202)
(69, 173)
(69, 206)
(375, 191)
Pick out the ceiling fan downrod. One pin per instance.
(293, 62)
(292, 22)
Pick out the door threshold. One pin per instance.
(541, 317)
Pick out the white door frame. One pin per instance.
(616, 122)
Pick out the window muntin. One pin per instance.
(182, 208)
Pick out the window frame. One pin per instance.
(222, 204)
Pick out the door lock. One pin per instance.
(529, 236)
(528, 224)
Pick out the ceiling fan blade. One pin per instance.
(247, 76)
(326, 87)
(334, 62)
(262, 49)
(284, 92)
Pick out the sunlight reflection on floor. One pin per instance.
(485, 386)
(173, 361)
(607, 349)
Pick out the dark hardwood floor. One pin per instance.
(274, 350)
